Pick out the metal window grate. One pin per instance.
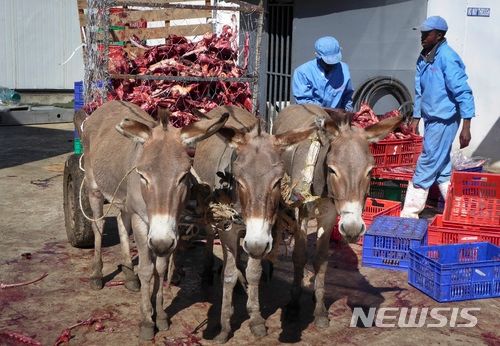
(279, 70)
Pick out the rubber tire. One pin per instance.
(78, 228)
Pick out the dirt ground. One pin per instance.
(33, 242)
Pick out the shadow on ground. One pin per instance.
(23, 144)
(343, 280)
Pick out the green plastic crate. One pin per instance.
(393, 190)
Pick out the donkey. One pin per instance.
(142, 166)
(341, 180)
(252, 158)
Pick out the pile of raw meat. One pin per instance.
(212, 56)
(366, 117)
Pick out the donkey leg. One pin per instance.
(161, 315)
(96, 200)
(146, 268)
(299, 257)
(131, 280)
(207, 275)
(253, 274)
(326, 218)
(230, 279)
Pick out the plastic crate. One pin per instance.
(396, 152)
(78, 95)
(394, 190)
(456, 272)
(388, 173)
(373, 208)
(473, 199)
(439, 233)
(388, 242)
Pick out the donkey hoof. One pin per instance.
(162, 324)
(259, 330)
(133, 285)
(96, 283)
(221, 338)
(321, 322)
(146, 331)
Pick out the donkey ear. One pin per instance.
(202, 129)
(292, 137)
(163, 115)
(232, 137)
(380, 130)
(199, 114)
(135, 130)
(331, 127)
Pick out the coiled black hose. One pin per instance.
(375, 88)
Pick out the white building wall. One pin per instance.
(36, 38)
(477, 41)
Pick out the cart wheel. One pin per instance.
(78, 228)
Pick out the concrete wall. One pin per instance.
(36, 38)
(477, 41)
(376, 36)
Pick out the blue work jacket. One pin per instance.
(311, 85)
(441, 88)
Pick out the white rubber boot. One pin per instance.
(414, 201)
(443, 188)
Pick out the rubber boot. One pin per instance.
(414, 201)
(443, 188)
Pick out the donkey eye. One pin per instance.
(143, 178)
(332, 171)
(240, 185)
(277, 184)
(182, 178)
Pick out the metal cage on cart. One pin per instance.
(108, 25)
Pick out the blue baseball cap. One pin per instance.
(328, 49)
(434, 23)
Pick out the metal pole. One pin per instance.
(258, 40)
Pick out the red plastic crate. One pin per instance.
(396, 152)
(439, 233)
(373, 207)
(384, 173)
(473, 199)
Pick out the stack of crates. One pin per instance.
(395, 161)
(78, 104)
(472, 210)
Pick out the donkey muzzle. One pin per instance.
(258, 240)
(162, 238)
(162, 247)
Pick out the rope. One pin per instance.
(80, 163)
(112, 199)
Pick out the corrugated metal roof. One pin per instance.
(37, 37)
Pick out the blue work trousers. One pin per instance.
(434, 164)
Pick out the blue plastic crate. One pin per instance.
(388, 241)
(78, 95)
(456, 272)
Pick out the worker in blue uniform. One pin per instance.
(324, 81)
(443, 99)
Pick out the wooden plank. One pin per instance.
(151, 33)
(146, 2)
(130, 16)
(160, 15)
(82, 4)
(83, 19)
